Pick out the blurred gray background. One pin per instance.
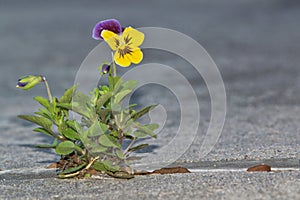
(254, 43)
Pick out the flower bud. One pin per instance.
(27, 82)
(104, 68)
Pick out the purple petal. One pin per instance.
(20, 84)
(109, 24)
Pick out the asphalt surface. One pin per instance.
(255, 46)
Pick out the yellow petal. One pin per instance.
(134, 36)
(112, 39)
(123, 61)
(136, 56)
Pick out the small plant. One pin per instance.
(96, 142)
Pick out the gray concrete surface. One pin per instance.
(255, 45)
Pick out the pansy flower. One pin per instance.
(125, 46)
(109, 24)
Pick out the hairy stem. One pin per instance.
(48, 89)
(114, 65)
(126, 151)
(59, 137)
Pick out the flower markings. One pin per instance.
(125, 46)
(109, 24)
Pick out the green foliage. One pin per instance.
(100, 133)
(65, 148)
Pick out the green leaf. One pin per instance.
(130, 85)
(121, 174)
(81, 109)
(74, 125)
(103, 113)
(42, 121)
(119, 153)
(114, 83)
(118, 97)
(103, 99)
(67, 97)
(44, 102)
(99, 166)
(44, 113)
(67, 106)
(136, 148)
(109, 141)
(73, 169)
(147, 129)
(142, 112)
(130, 106)
(97, 129)
(53, 145)
(116, 108)
(152, 127)
(110, 167)
(42, 130)
(65, 148)
(140, 134)
(70, 133)
(97, 148)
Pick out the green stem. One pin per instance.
(80, 150)
(48, 89)
(126, 151)
(81, 171)
(59, 137)
(114, 65)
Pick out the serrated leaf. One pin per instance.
(65, 148)
(68, 95)
(139, 147)
(142, 112)
(118, 97)
(73, 169)
(42, 121)
(42, 130)
(44, 102)
(108, 141)
(53, 145)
